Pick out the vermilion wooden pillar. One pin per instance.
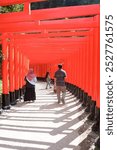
(5, 73)
(97, 32)
(27, 8)
(96, 85)
(23, 83)
(16, 68)
(74, 70)
(86, 68)
(82, 72)
(86, 99)
(94, 96)
(36, 71)
(11, 72)
(21, 73)
(27, 64)
(91, 49)
(98, 80)
(80, 68)
(98, 70)
(67, 69)
(77, 69)
(70, 69)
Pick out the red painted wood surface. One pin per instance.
(5, 65)
(46, 37)
(11, 2)
(11, 67)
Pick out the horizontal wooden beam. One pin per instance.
(12, 2)
(59, 34)
(51, 13)
(44, 57)
(50, 41)
(52, 48)
(50, 25)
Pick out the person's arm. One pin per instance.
(65, 76)
(55, 79)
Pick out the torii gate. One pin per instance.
(43, 38)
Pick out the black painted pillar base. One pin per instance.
(21, 93)
(71, 88)
(81, 95)
(97, 143)
(96, 126)
(12, 98)
(78, 93)
(5, 101)
(74, 90)
(92, 109)
(17, 94)
(23, 89)
(84, 99)
(67, 84)
(88, 104)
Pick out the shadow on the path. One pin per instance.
(45, 124)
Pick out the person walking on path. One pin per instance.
(48, 80)
(31, 80)
(59, 82)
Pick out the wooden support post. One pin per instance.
(27, 8)
(5, 73)
(11, 72)
(16, 68)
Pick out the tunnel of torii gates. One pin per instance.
(40, 39)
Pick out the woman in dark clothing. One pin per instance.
(48, 80)
(31, 80)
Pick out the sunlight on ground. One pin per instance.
(45, 124)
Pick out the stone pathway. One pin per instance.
(46, 125)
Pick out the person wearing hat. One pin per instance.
(59, 81)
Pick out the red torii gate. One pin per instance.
(11, 2)
(43, 38)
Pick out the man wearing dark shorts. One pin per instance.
(59, 76)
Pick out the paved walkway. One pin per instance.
(46, 125)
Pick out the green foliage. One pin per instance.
(11, 8)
